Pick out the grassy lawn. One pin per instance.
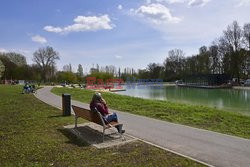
(195, 116)
(31, 134)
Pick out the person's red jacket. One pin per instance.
(100, 106)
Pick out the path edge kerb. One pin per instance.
(174, 152)
(155, 145)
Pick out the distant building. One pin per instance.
(92, 70)
(21, 82)
(207, 80)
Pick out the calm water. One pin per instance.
(226, 99)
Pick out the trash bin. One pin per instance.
(66, 104)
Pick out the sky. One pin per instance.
(124, 33)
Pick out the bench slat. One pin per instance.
(87, 114)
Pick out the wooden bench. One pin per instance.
(93, 116)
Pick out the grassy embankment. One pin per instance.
(31, 134)
(195, 116)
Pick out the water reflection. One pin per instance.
(226, 99)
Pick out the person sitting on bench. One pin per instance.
(26, 88)
(100, 104)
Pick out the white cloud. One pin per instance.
(39, 39)
(118, 57)
(156, 13)
(53, 29)
(168, 1)
(200, 3)
(191, 3)
(84, 23)
(171, 1)
(120, 7)
(243, 3)
(2, 50)
(176, 1)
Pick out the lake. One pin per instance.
(225, 99)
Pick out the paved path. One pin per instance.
(210, 147)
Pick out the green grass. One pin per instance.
(32, 134)
(195, 116)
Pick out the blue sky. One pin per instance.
(124, 33)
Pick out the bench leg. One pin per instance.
(75, 121)
(121, 136)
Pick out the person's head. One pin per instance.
(97, 96)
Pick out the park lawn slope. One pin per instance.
(191, 115)
(31, 134)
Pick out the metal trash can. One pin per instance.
(66, 104)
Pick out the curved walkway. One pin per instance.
(206, 146)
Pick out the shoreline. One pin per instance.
(197, 116)
(241, 88)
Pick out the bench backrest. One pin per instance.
(88, 115)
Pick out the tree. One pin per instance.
(97, 68)
(143, 74)
(2, 69)
(230, 55)
(155, 70)
(190, 66)
(246, 35)
(17, 58)
(80, 70)
(101, 75)
(203, 64)
(68, 77)
(15, 66)
(10, 67)
(36, 72)
(233, 36)
(79, 73)
(110, 69)
(215, 59)
(45, 58)
(67, 68)
(119, 72)
(174, 64)
(230, 45)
